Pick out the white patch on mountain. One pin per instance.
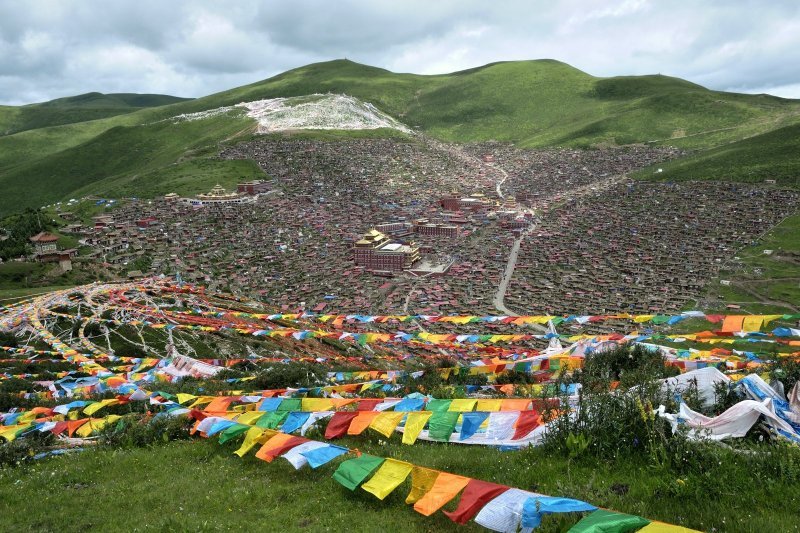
(316, 111)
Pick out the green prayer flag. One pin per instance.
(272, 420)
(602, 521)
(290, 404)
(232, 432)
(438, 405)
(441, 425)
(353, 472)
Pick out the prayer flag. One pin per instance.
(444, 489)
(388, 477)
(476, 494)
(337, 427)
(414, 424)
(354, 471)
(385, 423)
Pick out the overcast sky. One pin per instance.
(53, 48)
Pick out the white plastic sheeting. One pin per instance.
(706, 379)
(735, 422)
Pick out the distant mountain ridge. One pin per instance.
(80, 108)
(535, 103)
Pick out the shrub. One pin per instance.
(280, 375)
(20, 450)
(612, 421)
(786, 370)
(143, 430)
(514, 377)
(8, 339)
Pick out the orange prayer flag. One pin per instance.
(515, 404)
(278, 445)
(338, 403)
(219, 405)
(422, 479)
(732, 323)
(73, 425)
(445, 488)
(361, 422)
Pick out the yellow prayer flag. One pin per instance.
(414, 424)
(385, 423)
(183, 397)
(93, 408)
(9, 433)
(770, 318)
(388, 477)
(251, 438)
(422, 479)
(752, 323)
(96, 424)
(661, 527)
(488, 405)
(316, 404)
(250, 417)
(201, 400)
(461, 406)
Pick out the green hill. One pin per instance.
(81, 108)
(772, 155)
(532, 103)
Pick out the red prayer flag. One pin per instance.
(476, 494)
(339, 423)
(527, 422)
(368, 404)
(59, 428)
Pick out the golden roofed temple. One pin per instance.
(218, 195)
(376, 251)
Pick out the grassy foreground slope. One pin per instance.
(81, 108)
(206, 488)
(533, 103)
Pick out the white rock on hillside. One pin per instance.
(320, 112)
(316, 111)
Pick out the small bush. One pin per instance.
(20, 450)
(280, 375)
(786, 370)
(616, 420)
(514, 377)
(143, 430)
(8, 339)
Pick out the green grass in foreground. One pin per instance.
(201, 486)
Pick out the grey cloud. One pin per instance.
(55, 48)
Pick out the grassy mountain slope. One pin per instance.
(81, 108)
(120, 151)
(533, 103)
(771, 155)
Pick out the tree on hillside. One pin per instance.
(18, 229)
